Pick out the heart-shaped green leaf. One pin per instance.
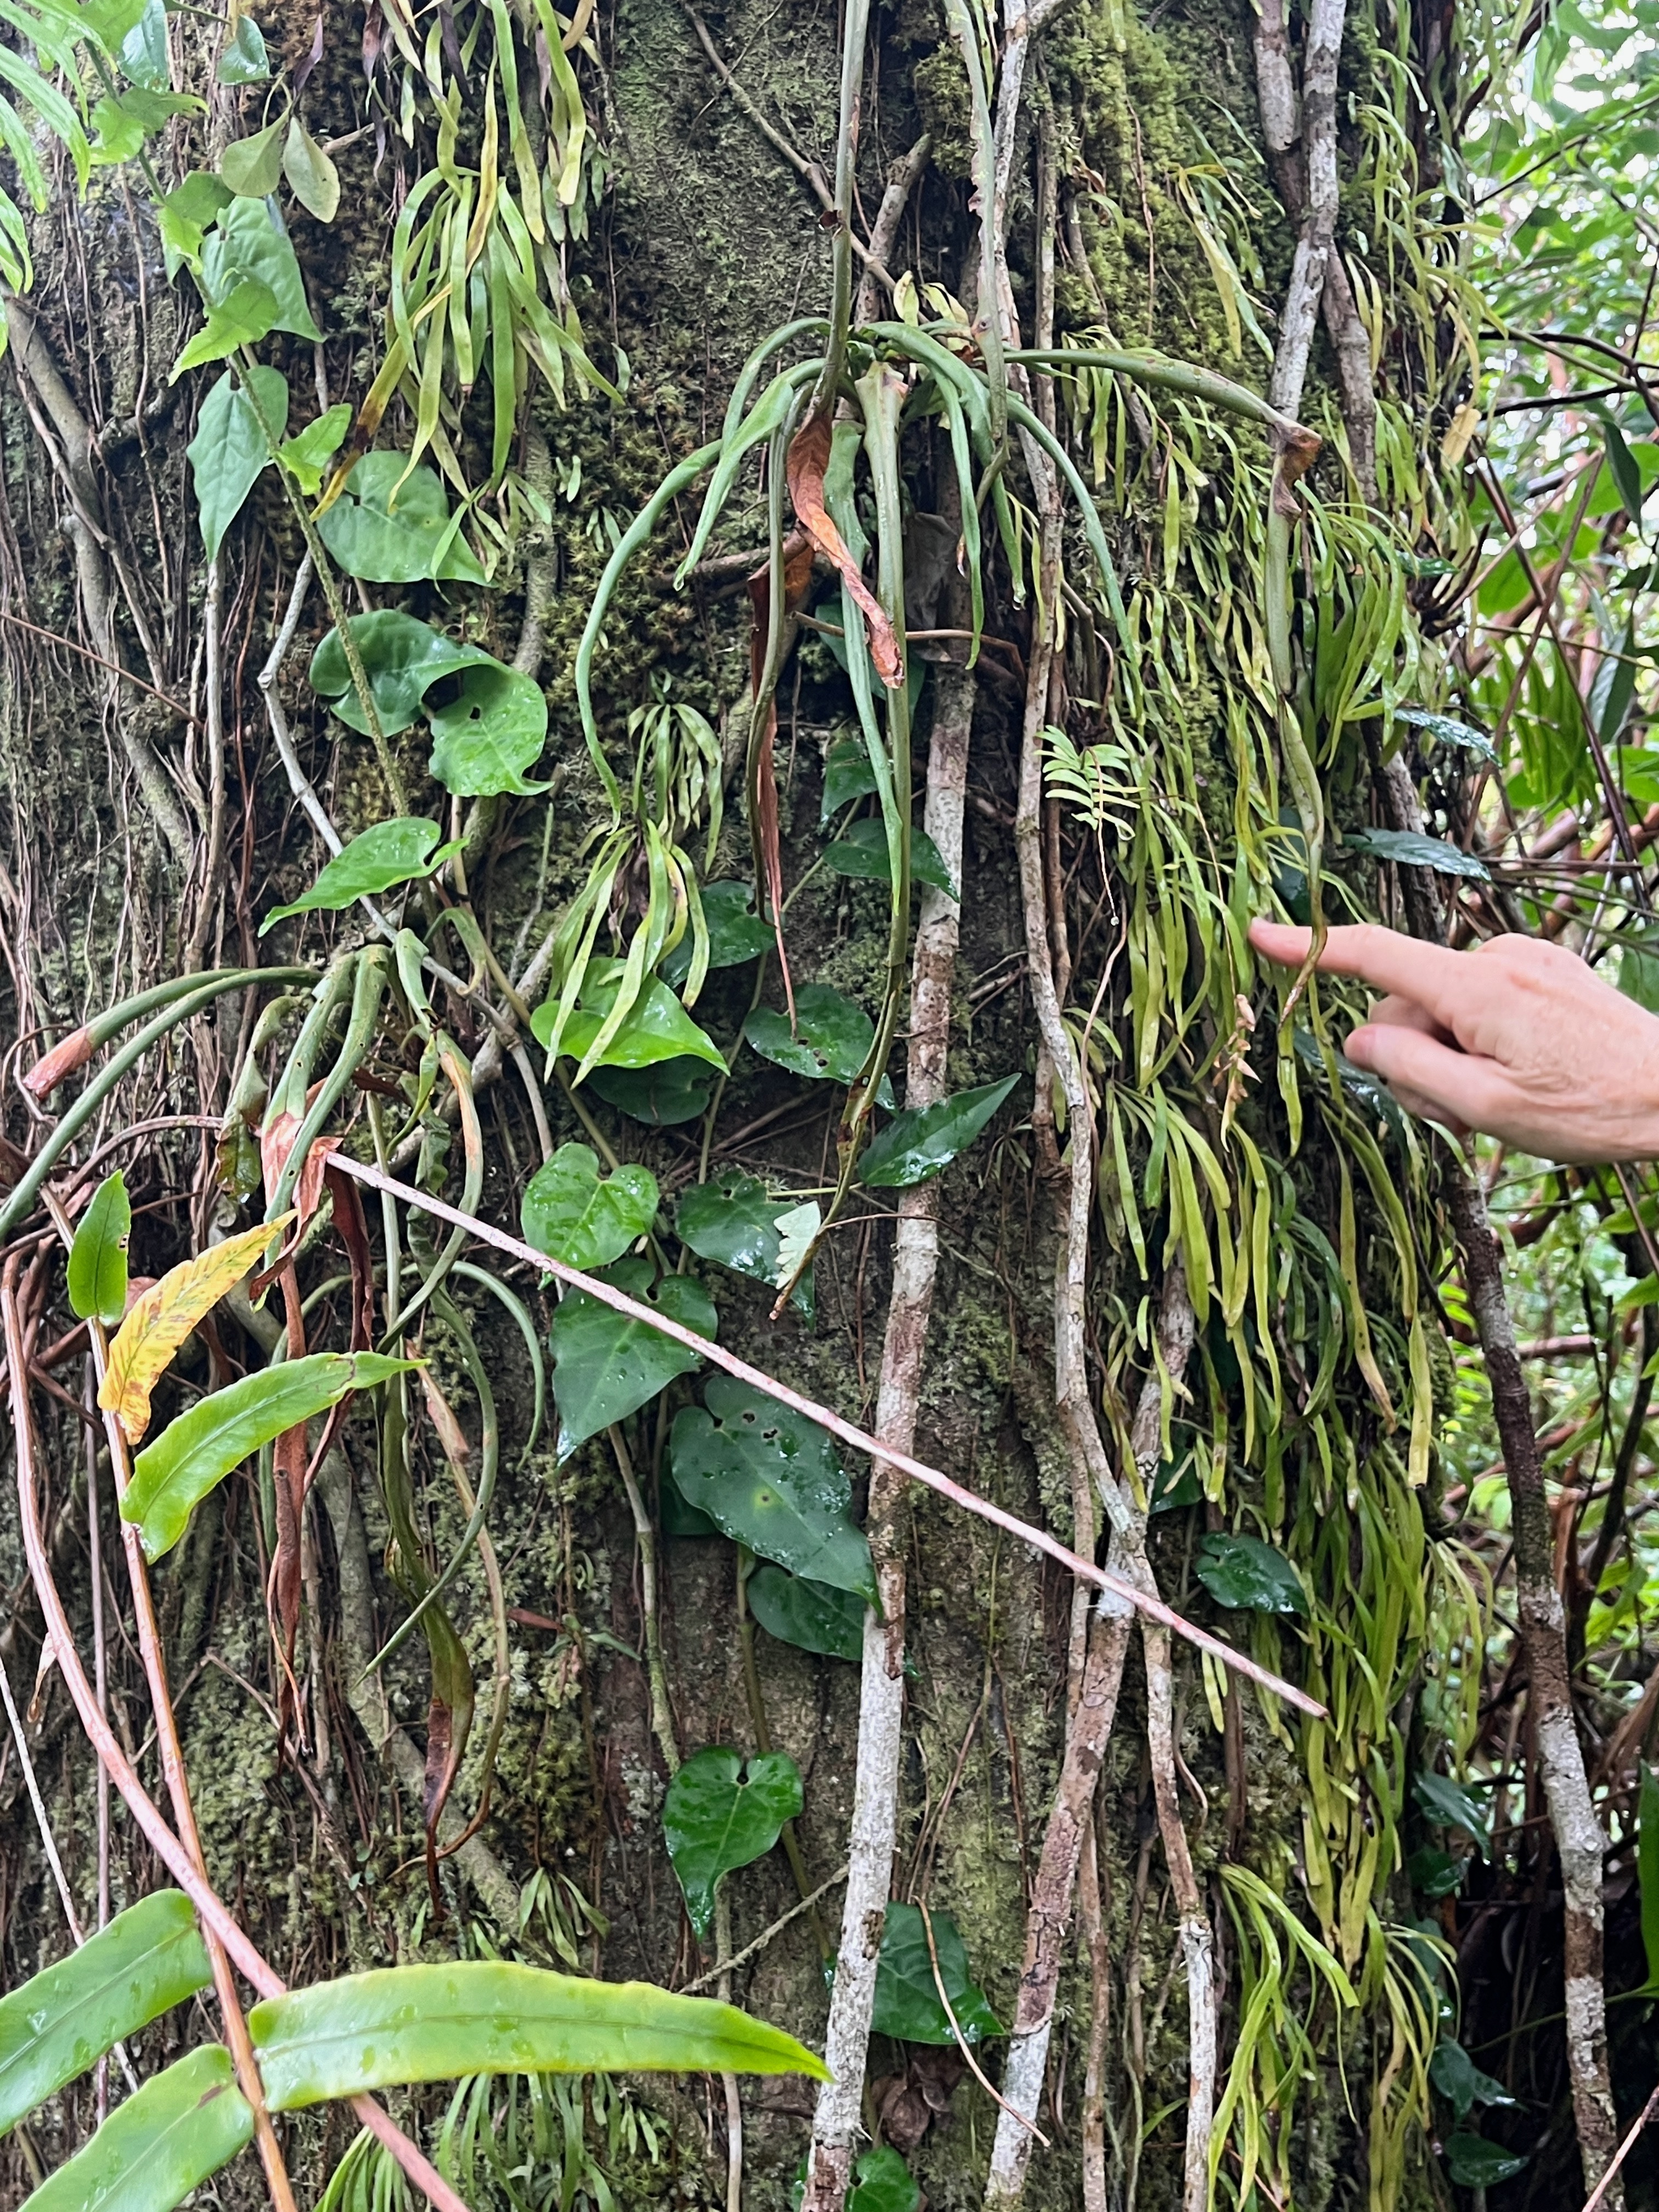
(715, 1820)
(124, 122)
(391, 526)
(193, 1453)
(98, 1257)
(862, 853)
(172, 2133)
(1242, 1572)
(54, 2026)
(244, 60)
(252, 167)
(185, 215)
(606, 1365)
(1475, 2163)
(907, 1995)
(584, 1217)
(313, 178)
(736, 932)
(1461, 2082)
(308, 453)
(1449, 1805)
(884, 2184)
(658, 1028)
(391, 853)
(917, 1143)
(769, 1478)
(144, 49)
(811, 1615)
(832, 1037)
(734, 1221)
(250, 242)
(401, 658)
(673, 1092)
(242, 318)
(228, 453)
(485, 738)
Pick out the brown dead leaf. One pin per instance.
(808, 458)
(159, 1321)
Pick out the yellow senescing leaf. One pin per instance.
(164, 1317)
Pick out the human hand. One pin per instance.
(1518, 1038)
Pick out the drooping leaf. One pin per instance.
(195, 1453)
(832, 1036)
(1449, 1805)
(391, 853)
(164, 1317)
(862, 855)
(582, 1217)
(1243, 1572)
(662, 1096)
(308, 453)
(917, 1145)
(1461, 2082)
(244, 60)
(1408, 848)
(242, 318)
(401, 658)
(387, 527)
(1621, 464)
(55, 2025)
(885, 2182)
(144, 49)
(769, 1478)
(174, 2131)
(736, 932)
(253, 167)
(98, 1257)
(716, 1818)
(734, 1221)
(484, 2016)
(229, 453)
(1447, 729)
(606, 1365)
(907, 1995)
(1647, 1870)
(1475, 2163)
(811, 1615)
(491, 733)
(250, 242)
(657, 1027)
(313, 178)
(847, 775)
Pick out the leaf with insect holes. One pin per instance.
(1406, 848)
(885, 2182)
(862, 853)
(490, 734)
(1449, 1805)
(916, 1145)
(398, 2024)
(769, 1478)
(228, 453)
(250, 242)
(908, 2004)
(734, 1221)
(390, 525)
(606, 1364)
(164, 1317)
(1475, 2163)
(831, 1039)
(716, 1819)
(811, 1615)
(1243, 1573)
(401, 658)
(584, 1217)
(391, 853)
(175, 2131)
(147, 1959)
(195, 1453)
(313, 178)
(98, 1257)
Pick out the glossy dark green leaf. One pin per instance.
(916, 1145)
(811, 1615)
(228, 453)
(1174, 1485)
(862, 853)
(832, 1037)
(736, 932)
(401, 658)
(662, 1096)
(734, 1221)
(606, 1365)
(243, 317)
(392, 527)
(1436, 1873)
(1243, 1572)
(484, 2016)
(56, 2025)
(391, 853)
(197, 1451)
(1449, 1805)
(1647, 1869)
(1461, 2082)
(252, 166)
(487, 737)
(717, 1817)
(250, 242)
(769, 1478)
(1407, 850)
(308, 453)
(1473, 2163)
(679, 1519)
(1621, 464)
(657, 1029)
(907, 1995)
(98, 1257)
(244, 60)
(1447, 729)
(583, 1217)
(883, 2182)
(847, 775)
(177, 2129)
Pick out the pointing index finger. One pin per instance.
(1436, 978)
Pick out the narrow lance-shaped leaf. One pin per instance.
(391, 853)
(917, 1143)
(98, 1257)
(171, 2136)
(716, 1818)
(431, 2023)
(164, 1317)
(56, 2025)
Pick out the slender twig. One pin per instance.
(767, 1935)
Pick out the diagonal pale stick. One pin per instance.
(858, 1440)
